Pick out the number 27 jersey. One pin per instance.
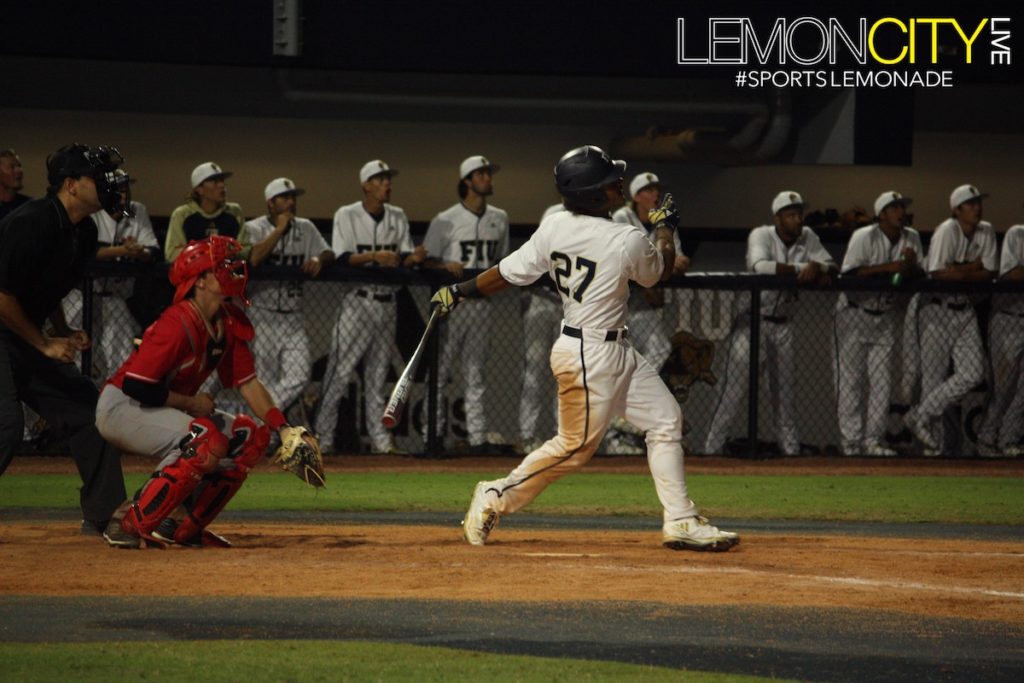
(591, 260)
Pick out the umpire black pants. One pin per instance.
(67, 400)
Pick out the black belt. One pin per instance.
(1013, 313)
(869, 311)
(780, 319)
(610, 335)
(383, 298)
(950, 306)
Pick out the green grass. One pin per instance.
(230, 661)
(972, 500)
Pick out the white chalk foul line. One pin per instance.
(851, 581)
(562, 554)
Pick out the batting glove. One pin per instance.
(446, 298)
(665, 214)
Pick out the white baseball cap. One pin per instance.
(641, 181)
(281, 186)
(964, 193)
(205, 171)
(471, 164)
(375, 167)
(890, 197)
(786, 199)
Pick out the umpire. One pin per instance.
(44, 247)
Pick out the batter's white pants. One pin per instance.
(597, 380)
(281, 350)
(365, 330)
(541, 327)
(946, 335)
(113, 329)
(466, 334)
(776, 359)
(1004, 419)
(862, 370)
(649, 335)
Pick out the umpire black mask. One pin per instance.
(113, 184)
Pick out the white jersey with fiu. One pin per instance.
(357, 232)
(765, 249)
(459, 235)
(301, 242)
(949, 247)
(591, 260)
(869, 246)
(113, 232)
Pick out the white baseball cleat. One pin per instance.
(697, 533)
(481, 516)
(987, 450)
(920, 428)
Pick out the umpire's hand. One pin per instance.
(59, 348)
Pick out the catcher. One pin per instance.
(152, 405)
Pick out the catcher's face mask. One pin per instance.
(233, 275)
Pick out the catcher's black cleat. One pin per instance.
(117, 537)
(91, 527)
(207, 539)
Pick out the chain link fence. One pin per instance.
(835, 373)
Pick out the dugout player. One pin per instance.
(865, 326)
(44, 247)
(962, 249)
(206, 213)
(592, 261)
(371, 233)
(153, 404)
(785, 249)
(11, 182)
(1003, 429)
(128, 239)
(473, 235)
(281, 238)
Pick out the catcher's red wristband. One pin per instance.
(275, 419)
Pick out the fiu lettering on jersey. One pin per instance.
(363, 248)
(483, 250)
(286, 259)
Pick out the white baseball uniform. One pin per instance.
(477, 242)
(541, 328)
(111, 317)
(599, 374)
(1004, 420)
(947, 324)
(368, 320)
(648, 330)
(764, 251)
(865, 336)
(281, 348)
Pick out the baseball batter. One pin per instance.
(471, 234)
(963, 249)
(865, 326)
(281, 238)
(1003, 428)
(152, 405)
(592, 261)
(371, 233)
(786, 248)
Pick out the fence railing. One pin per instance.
(832, 361)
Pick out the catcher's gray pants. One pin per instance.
(1004, 419)
(947, 334)
(466, 333)
(281, 350)
(541, 327)
(365, 329)
(864, 345)
(598, 379)
(776, 358)
(156, 432)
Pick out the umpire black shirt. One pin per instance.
(43, 256)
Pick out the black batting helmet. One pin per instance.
(582, 172)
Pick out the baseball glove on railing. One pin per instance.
(300, 454)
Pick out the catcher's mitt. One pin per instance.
(300, 454)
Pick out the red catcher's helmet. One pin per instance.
(215, 253)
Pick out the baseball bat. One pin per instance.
(400, 394)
